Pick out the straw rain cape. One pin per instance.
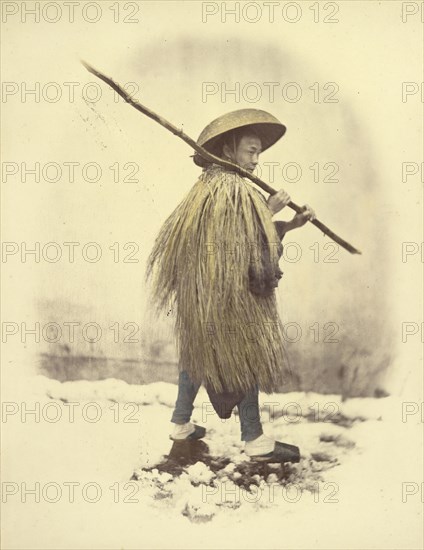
(216, 261)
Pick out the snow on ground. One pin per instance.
(358, 484)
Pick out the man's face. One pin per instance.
(248, 151)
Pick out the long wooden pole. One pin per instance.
(212, 158)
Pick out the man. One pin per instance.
(216, 261)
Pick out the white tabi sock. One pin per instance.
(182, 431)
(259, 446)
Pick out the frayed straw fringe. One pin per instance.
(227, 337)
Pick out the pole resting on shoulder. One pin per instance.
(212, 158)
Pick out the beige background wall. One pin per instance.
(170, 53)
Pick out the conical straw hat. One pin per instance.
(266, 126)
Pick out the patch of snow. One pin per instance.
(344, 472)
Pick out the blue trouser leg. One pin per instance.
(187, 391)
(250, 422)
